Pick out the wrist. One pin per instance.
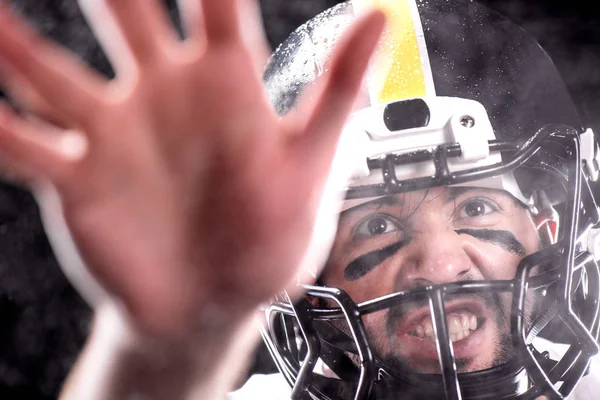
(200, 364)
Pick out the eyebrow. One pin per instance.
(450, 195)
(388, 200)
(454, 192)
(393, 200)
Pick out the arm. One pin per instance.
(116, 363)
(175, 189)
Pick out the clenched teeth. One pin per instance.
(460, 325)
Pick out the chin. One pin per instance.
(420, 356)
(462, 365)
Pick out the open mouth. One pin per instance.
(468, 329)
(461, 324)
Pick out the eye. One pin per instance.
(476, 208)
(375, 226)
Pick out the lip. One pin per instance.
(426, 348)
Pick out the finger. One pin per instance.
(56, 76)
(34, 153)
(342, 84)
(144, 26)
(22, 94)
(11, 172)
(253, 33)
(221, 21)
(296, 118)
(69, 143)
(8, 173)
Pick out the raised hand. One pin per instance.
(180, 186)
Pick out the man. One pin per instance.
(469, 240)
(177, 150)
(438, 236)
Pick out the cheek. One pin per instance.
(378, 282)
(376, 331)
(493, 262)
(525, 231)
(530, 239)
(381, 281)
(498, 263)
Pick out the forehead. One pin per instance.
(423, 199)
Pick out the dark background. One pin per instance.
(43, 322)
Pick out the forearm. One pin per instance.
(117, 364)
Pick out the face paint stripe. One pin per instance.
(364, 264)
(367, 262)
(504, 239)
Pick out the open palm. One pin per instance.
(178, 183)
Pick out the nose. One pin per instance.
(435, 258)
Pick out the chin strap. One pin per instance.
(541, 322)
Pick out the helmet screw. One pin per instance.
(467, 121)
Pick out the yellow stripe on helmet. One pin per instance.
(401, 70)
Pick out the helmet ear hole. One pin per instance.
(546, 219)
(548, 231)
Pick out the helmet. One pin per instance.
(457, 96)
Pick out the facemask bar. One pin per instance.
(575, 363)
(435, 295)
(303, 317)
(443, 177)
(587, 347)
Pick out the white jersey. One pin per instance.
(274, 387)
(264, 387)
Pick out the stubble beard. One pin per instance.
(504, 350)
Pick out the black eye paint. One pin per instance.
(504, 239)
(367, 262)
